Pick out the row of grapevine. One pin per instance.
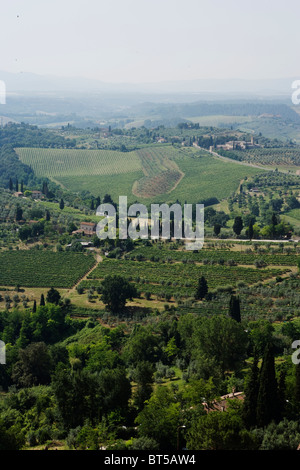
(29, 268)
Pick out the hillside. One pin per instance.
(153, 174)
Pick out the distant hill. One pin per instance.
(30, 82)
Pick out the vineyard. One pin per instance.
(161, 173)
(207, 176)
(58, 163)
(267, 156)
(152, 174)
(97, 171)
(172, 278)
(36, 268)
(288, 256)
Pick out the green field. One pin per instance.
(174, 278)
(217, 255)
(37, 268)
(58, 163)
(97, 171)
(207, 176)
(153, 174)
(286, 157)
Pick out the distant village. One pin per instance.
(236, 145)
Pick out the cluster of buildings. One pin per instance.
(86, 228)
(34, 194)
(237, 145)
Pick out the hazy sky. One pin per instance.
(151, 40)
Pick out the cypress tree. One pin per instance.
(45, 189)
(251, 394)
(274, 219)
(297, 387)
(10, 184)
(238, 225)
(281, 393)
(273, 224)
(217, 229)
(268, 407)
(17, 185)
(61, 204)
(250, 230)
(19, 213)
(202, 288)
(234, 308)
(42, 301)
(34, 306)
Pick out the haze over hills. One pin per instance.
(30, 82)
(252, 105)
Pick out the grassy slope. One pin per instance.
(209, 177)
(102, 171)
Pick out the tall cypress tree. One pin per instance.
(238, 225)
(250, 230)
(297, 387)
(251, 394)
(281, 393)
(234, 308)
(202, 288)
(273, 224)
(19, 213)
(42, 301)
(268, 407)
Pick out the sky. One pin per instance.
(141, 41)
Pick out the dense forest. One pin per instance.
(95, 386)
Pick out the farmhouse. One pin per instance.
(238, 145)
(86, 228)
(37, 195)
(18, 194)
(255, 190)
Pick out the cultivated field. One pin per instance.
(37, 268)
(161, 278)
(152, 174)
(58, 163)
(161, 172)
(284, 156)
